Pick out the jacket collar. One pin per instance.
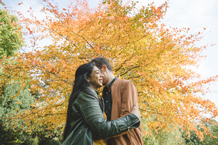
(117, 81)
(90, 91)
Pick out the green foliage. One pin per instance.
(10, 106)
(162, 137)
(10, 42)
(193, 139)
(49, 141)
(208, 140)
(11, 103)
(8, 136)
(180, 137)
(11, 39)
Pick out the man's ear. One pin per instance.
(104, 67)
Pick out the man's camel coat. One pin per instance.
(124, 97)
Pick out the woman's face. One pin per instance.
(96, 79)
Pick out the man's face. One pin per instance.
(104, 73)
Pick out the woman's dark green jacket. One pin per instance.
(87, 120)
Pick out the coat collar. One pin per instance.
(89, 90)
(117, 81)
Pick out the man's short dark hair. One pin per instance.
(100, 61)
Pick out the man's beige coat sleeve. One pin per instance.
(129, 97)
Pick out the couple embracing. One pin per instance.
(86, 123)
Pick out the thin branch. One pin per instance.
(49, 73)
(129, 70)
(52, 114)
(124, 63)
(34, 43)
(23, 50)
(133, 77)
(82, 38)
(75, 33)
(62, 36)
(57, 76)
(101, 33)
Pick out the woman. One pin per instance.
(85, 119)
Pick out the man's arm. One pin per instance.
(129, 97)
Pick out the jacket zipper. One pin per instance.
(133, 124)
(77, 135)
(130, 125)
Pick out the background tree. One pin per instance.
(162, 137)
(11, 105)
(15, 98)
(209, 139)
(156, 58)
(11, 39)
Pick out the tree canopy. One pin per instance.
(140, 48)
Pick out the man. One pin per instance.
(119, 97)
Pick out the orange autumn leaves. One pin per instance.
(140, 48)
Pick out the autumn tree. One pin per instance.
(140, 48)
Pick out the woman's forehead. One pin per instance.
(95, 68)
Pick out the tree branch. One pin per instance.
(75, 33)
(129, 70)
(124, 63)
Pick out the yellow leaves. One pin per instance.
(151, 55)
(24, 84)
(19, 102)
(33, 86)
(97, 49)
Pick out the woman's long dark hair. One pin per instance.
(80, 83)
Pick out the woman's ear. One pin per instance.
(87, 78)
